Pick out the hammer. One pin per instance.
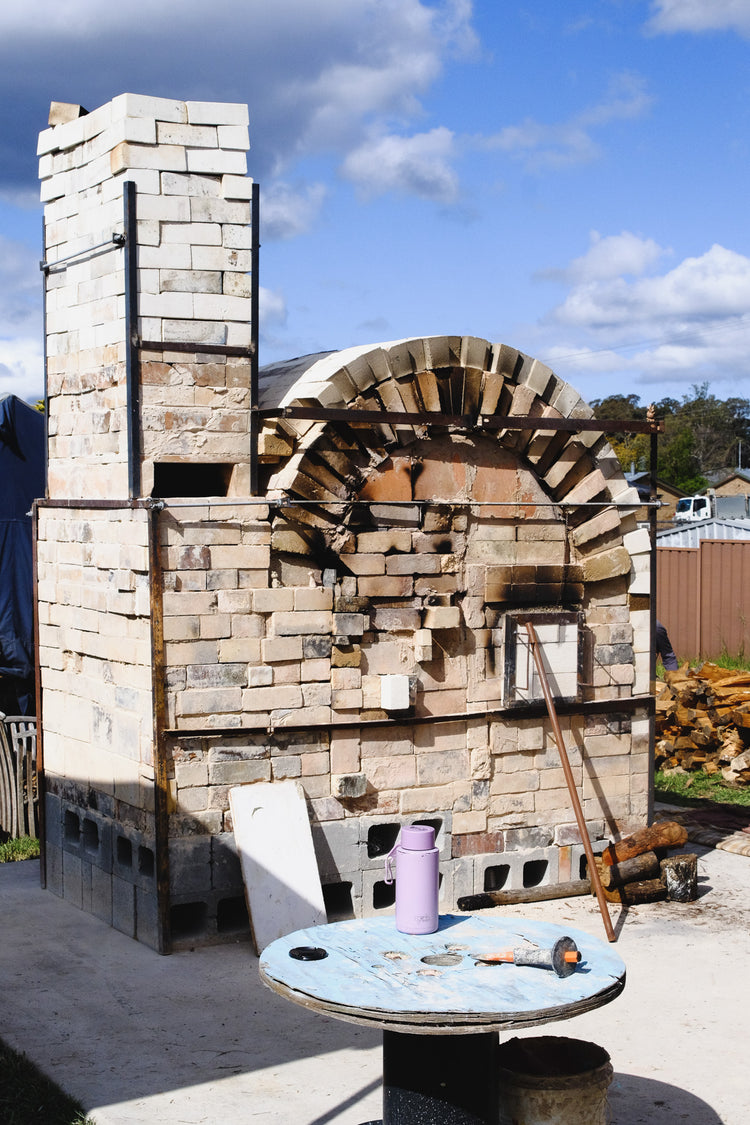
(562, 957)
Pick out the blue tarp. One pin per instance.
(22, 442)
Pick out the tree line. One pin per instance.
(702, 435)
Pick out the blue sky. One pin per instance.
(570, 178)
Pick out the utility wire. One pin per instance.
(742, 323)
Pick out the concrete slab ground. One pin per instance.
(194, 1039)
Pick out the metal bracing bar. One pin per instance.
(255, 424)
(593, 869)
(462, 421)
(292, 502)
(113, 242)
(630, 705)
(652, 617)
(45, 360)
(198, 349)
(145, 502)
(159, 711)
(38, 696)
(132, 359)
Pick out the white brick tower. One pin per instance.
(148, 248)
(149, 296)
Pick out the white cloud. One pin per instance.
(698, 290)
(22, 367)
(21, 360)
(609, 257)
(682, 326)
(288, 210)
(272, 309)
(700, 15)
(416, 165)
(321, 79)
(318, 77)
(20, 287)
(570, 142)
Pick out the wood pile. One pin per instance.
(634, 870)
(703, 722)
(638, 869)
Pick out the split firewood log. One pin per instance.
(640, 867)
(635, 893)
(665, 834)
(738, 765)
(710, 671)
(731, 746)
(679, 874)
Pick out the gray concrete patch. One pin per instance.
(194, 1039)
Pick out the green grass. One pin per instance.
(698, 789)
(732, 662)
(28, 1097)
(24, 847)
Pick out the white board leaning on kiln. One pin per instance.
(279, 869)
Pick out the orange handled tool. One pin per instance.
(562, 957)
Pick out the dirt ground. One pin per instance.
(194, 1039)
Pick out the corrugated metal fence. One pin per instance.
(703, 597)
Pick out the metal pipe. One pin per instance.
(593, 869)
(113, 242)
(132, 357)
(527, 711)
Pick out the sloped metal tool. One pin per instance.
(596, 882)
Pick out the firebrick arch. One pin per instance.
(331, 462)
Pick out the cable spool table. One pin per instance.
(439, 1005)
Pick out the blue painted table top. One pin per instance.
(373, 974)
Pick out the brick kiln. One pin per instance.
(319, 571)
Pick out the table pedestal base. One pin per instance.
(440, 1079)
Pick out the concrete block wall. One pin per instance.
(188, 163)
(95, 654)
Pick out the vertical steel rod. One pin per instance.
(45, 358)
(593, 869)
(132, 351)
(158, 692)
(652, 512)
(40, 777)
(255, 334)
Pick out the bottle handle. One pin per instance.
(389, 876)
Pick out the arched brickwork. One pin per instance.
(459, 375)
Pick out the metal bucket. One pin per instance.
(550, 1080)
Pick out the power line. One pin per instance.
(743, 322)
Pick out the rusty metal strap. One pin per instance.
(461, 421)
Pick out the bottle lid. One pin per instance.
(417, 837)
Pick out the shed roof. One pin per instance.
(691, 534)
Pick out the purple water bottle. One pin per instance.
(417, 879)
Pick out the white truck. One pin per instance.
(710, 506)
